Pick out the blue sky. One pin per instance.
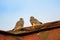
(12, 10)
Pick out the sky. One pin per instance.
(12, 10)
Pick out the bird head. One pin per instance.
(32, 17)
(21, 18)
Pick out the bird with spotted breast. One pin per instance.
(19, 25)
(34, 22)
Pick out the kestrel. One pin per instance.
(19, 25)
(34, 21)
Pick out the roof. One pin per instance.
(39, 28)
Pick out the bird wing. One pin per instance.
(36, 21)
(17, 24)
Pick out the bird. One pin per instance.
(34, 21)
(19, 25)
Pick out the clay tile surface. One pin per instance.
(46, 31)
